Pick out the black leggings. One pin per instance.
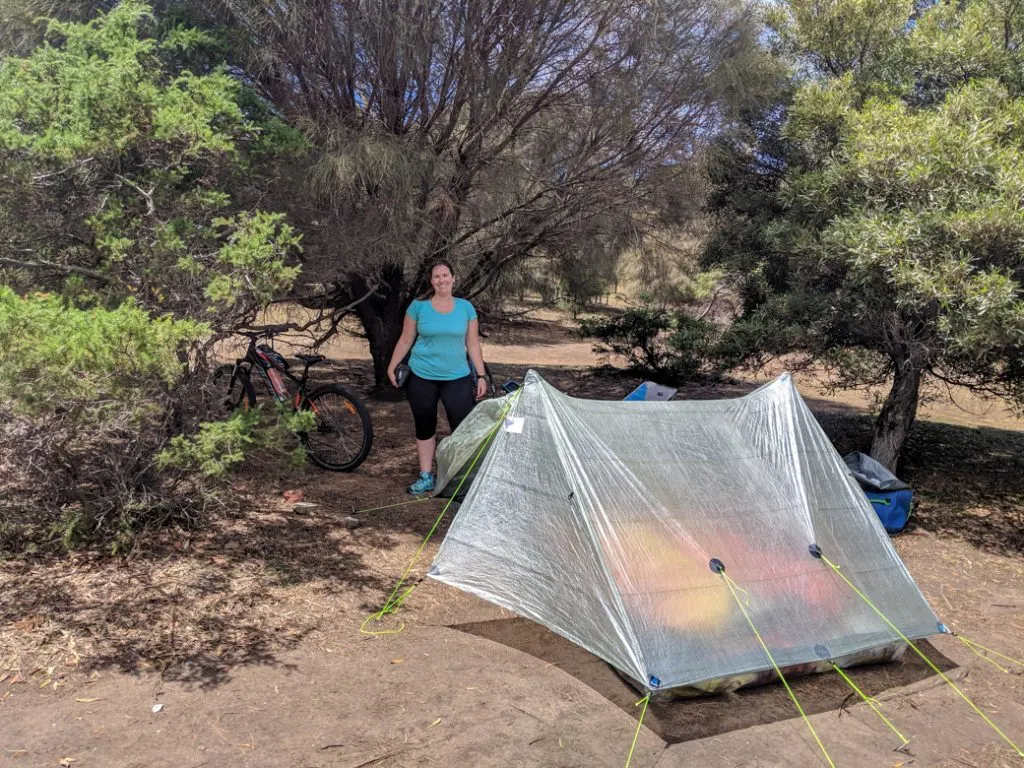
(423, 394)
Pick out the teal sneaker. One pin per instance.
(424, 484)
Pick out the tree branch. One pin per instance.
(66, 268)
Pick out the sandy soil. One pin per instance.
(246, 637)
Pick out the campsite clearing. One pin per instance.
(247, 632)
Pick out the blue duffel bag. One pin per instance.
(890, 496)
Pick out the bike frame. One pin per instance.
(253, 359)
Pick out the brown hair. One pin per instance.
(429, 292)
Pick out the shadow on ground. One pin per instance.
(191, 606)
(687, 719)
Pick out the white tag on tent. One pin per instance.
(514, 424)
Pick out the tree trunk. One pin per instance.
(381, 316)
(898, 413)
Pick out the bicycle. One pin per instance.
(343, 433)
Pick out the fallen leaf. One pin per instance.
(293, 496)
(67, 760)
(86, 701)
(397, 661)
(45, 683)
(434, 723)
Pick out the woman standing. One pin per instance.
(442, 332)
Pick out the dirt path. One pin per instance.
(247, 633)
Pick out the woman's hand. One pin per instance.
(481, 388)
(391, 376)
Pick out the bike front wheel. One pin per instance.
(343, 434)
(240, 392)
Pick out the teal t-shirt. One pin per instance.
(440, 349)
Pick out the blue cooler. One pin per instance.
(651, 391)
(890, 496)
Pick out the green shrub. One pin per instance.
(671, 346)
(131, 171)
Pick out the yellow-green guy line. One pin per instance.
(391, 605)
(870, 701)
(918, 651)
(645, 700)
(732, 589)
(973, 645)
(392, 506)
(983, 657)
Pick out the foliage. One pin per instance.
(122, 168)
(220, 446)
(86, 394)
(128, 243)
(887, 242)
(57, 356)
(670, 345)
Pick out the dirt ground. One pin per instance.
(240, 644)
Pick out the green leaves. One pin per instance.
(253, 259)
(201, 112)
(55, 356)
(670, 344)
(841, 35)
(131, 169)
(220, 446)
(894, 241)
(115, 158)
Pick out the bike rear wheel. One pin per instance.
(240, 391)
(343, 434)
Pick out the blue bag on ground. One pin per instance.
(889, 495)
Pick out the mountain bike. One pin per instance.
(342, 435)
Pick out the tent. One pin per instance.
(600, 520)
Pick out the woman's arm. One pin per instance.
(405, 342)
(476, 356)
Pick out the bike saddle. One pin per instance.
(310, 359)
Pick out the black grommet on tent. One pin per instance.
(823, 652)
(716, 565)
(815, 551)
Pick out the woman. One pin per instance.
(442, 332)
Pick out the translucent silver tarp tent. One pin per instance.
(598, 519)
